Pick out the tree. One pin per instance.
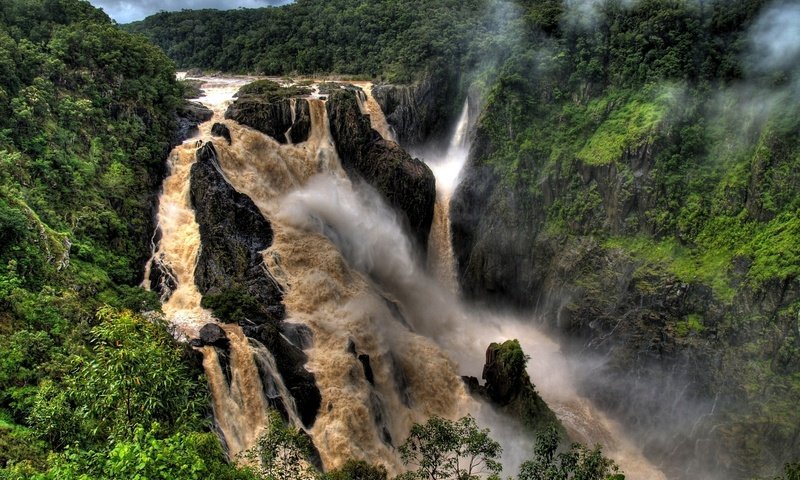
(446, 449)
(357, 470)
(181, 456)
(280, 452)
(578, 463)
(135, 377)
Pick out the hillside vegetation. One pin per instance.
(397, 40)
(645, 155)
(88, 389)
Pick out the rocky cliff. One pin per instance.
(420, 113)
(509, 388)
(234, 281)
(584, 240)
(406, 183)
(284, 119)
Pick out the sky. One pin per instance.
(125, 11)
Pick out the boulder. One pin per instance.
(233, 233)
(509, 387)
(406, 183)
(221, 130)
(283, 119)
(213, 334)
(162, 279)
(368, 374)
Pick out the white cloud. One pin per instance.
(775, 38)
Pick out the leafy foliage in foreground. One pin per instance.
(444, 449)
(577, 463)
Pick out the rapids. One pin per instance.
(350, 276)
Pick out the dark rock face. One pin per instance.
(284, 119)
(221, 130)
(299, 335)
(605, 302)
(162, 279)
(509, 388)
(368, 374)
(420, 112)
(301, 127)
(289, 360)
(406, 183)
(189, 116)
(213, 334)
(233, 234)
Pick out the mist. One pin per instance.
(775, 39)
(367, 232)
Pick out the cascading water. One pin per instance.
(369, 106)
(238, 402)
(446, 170)
(350, 318)
(350, 276)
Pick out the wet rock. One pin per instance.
(299, 335)
(231, 274)
(290, 361)
(278, 118)
(301, 128)
(213, 334)
(368, 374)
(504, 372)
(400, 380)
(189, 116)
(351, 347)
(474, 386)
(420, 112)
(314, 457)
(406, 183)
(233, 232)
(379, 416)
(162, 279)
(224, 359)
(510, 389)
(221, 130)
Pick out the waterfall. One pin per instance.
(390, 341)
(234, 381)
(369, 106)
(549, 369)
(446, 170)
(459, 140)
(343, 308)
(239, 403)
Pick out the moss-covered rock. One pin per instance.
(509, 387)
